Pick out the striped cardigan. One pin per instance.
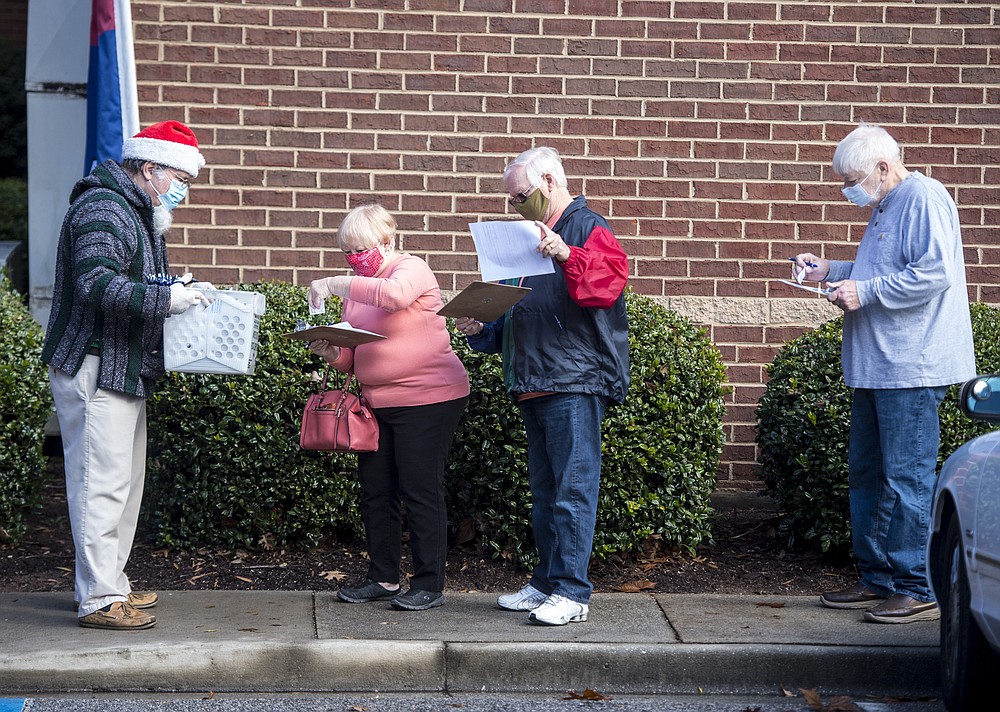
(107, 251)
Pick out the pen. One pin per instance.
(808, 264)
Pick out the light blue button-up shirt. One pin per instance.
(913, 328)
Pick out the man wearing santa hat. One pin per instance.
(103, 345)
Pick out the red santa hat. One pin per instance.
(169, 143)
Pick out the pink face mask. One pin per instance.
(367, 263)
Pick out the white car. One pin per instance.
(963, 556)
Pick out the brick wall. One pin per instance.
(703, 130)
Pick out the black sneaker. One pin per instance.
(371, 591)
(416, 600)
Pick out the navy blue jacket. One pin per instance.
(570, 333)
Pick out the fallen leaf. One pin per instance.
(588, 694)
(841, 703)
(635, 586)
(769, 604)
(211, 695)
(358, 708)
(333, 575)
(466, 531)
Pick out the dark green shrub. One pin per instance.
(486, 479)
(226, 469)
(13, 112)
(803, 423)
(13, 209)
(803, 420)
(225, 465)
(25, 406)
(661, 447)
(956, 427)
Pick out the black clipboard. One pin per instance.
(484, 301)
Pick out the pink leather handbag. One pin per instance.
(338, 420)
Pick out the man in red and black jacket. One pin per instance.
(565, 359)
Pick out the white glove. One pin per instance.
(203, 286)
(182, 298)
(320, 289)
(325, 350)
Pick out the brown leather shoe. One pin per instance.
(119, 616)
(900, 608)
(145, 599)
(856, 596)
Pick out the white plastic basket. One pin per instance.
(219, 338)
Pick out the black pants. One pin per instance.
(408, 467)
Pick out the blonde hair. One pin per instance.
(368, 225)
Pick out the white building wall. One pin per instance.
(56, 84)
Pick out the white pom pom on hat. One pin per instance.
(169, 143)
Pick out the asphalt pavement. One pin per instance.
(633, 643)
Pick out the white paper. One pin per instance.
(508, 249)
(346, 326)
(817, 290)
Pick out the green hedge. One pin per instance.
(13, 209)
(225, 465)
(25, 406)
(13, 111)
(226, 468)
(661, 448)
(803, 423)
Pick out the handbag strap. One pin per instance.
(347, 381)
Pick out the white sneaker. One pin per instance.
(527, 599)
(559, 610)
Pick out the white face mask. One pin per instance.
(857, 194)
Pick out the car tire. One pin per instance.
(968, 664)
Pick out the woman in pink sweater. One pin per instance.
(417, 388)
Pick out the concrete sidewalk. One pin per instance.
(257, 641)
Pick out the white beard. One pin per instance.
(162, 219)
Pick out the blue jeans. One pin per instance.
(564, 467)
(892, 465)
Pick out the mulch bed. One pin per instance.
(744, 558)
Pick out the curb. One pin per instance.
(434, 666)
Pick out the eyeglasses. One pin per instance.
(849, 182)
(521, 198)
(170, 174)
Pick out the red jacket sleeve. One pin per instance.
(596, 273)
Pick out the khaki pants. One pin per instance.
(104, 449)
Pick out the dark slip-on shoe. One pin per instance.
(856, 596)
(900, 608)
